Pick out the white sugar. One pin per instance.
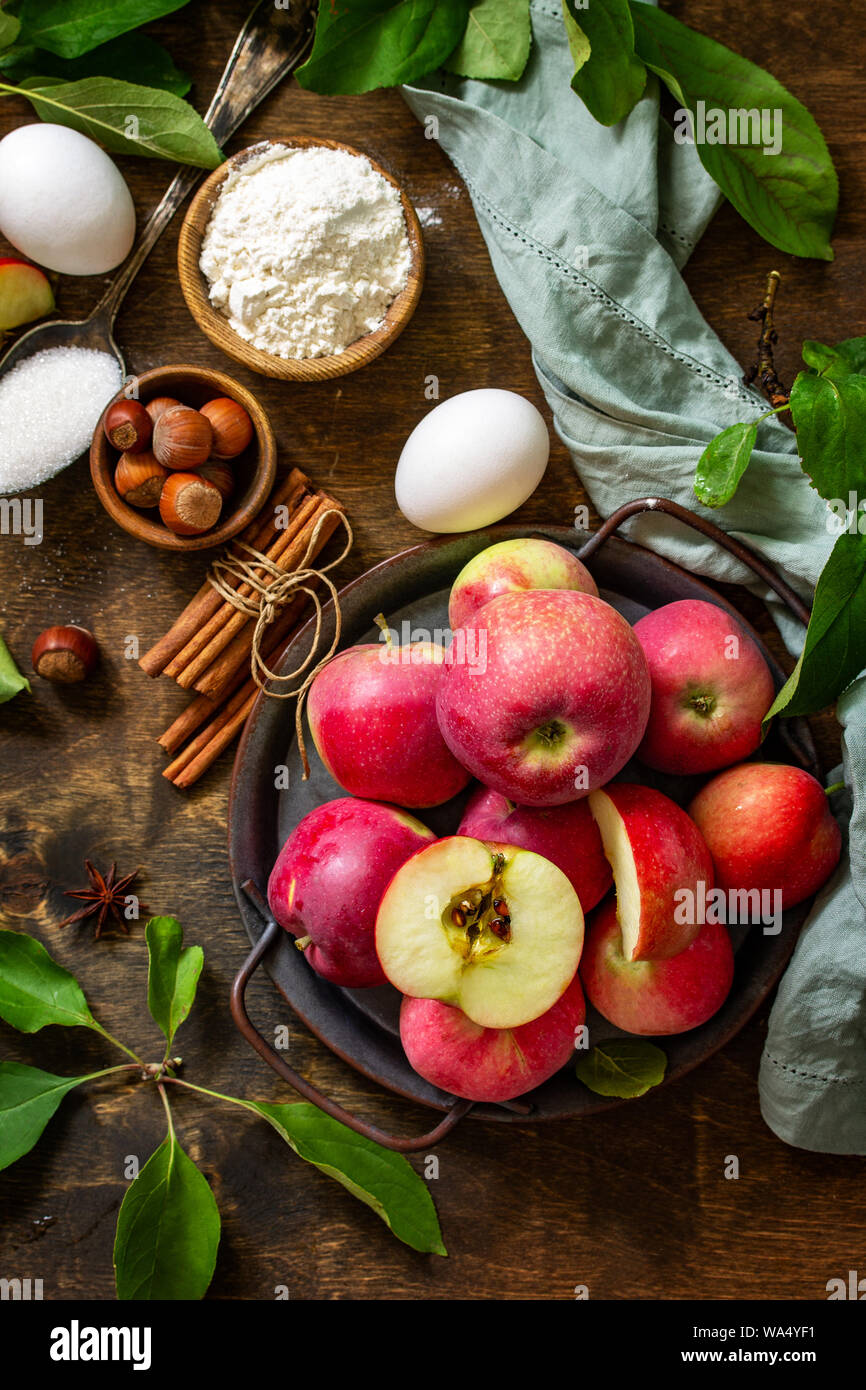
(50, 405)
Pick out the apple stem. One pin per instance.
(382, 624)
(302, 942)
(836, 787)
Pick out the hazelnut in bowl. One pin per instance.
(187, 462)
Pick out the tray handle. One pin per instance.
(707, 528)
(305, 1088)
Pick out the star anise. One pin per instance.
(104, 899)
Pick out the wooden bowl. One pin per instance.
(217, 327)
(255, 469)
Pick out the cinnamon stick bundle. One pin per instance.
(260, 534)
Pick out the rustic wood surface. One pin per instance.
(633, 1204)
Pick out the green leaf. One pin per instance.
(125, 118)
(132, 58)
(35, 991)
(829, 413)
(496, 42)
(168, 1230)
(834, 653)
(11, 680)
(72, 27)
(9, 29)
(613, 77)
(623, 1067)
(577, 40)
(362, 44)
(28, 1099)
(723, 463)
(841, 360)
(172, 975)
(383, 1180)
(790, 197)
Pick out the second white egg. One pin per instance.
(473, 459)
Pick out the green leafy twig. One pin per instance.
(622, 1067)
(168, 1227)
(66, 54)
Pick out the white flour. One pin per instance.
(305, 250)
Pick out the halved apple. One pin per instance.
(495, 930)
(659, 858)
(25, 293)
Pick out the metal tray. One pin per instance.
(361, 1025)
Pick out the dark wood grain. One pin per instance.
(633, 1204)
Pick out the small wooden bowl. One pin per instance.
(217, 327)
(255, 469)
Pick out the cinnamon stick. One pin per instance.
(201, 709)
(222, 610)
(206, 601)
(197, 673)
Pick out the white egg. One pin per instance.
(62, 200)
(471, 461)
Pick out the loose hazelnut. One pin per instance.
(139, 479)
(128, 426)
(182, 438)
(189, 504)
(159, 405)
(232, 427)
(65, 655)
(220, 475)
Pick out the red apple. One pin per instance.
(661, 868)
(329, 878)
(566, 835)
(711, 688)
(25, 293)
(545, 695)
(514, 566)
(655, 997)
(769, 826)
(497, 931)
(372, 713)
(492, 1064)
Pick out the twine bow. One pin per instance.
(273, 588)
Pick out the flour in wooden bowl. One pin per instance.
(305, 250)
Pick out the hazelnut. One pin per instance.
(65, 655)
(139, 479)
(159, 405)
(182, 438)
(128, 426)
(220, 475)
(232, 427)
(189, 504)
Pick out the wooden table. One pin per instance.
(634, 1203)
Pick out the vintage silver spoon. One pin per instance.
(271, 44)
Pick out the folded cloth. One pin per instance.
(587, 229)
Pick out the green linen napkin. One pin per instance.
(587, 228)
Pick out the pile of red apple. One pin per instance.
(543, 696)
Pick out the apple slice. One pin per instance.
(25, 293)
(659, 858)
(495, 930)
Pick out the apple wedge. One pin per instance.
(494, 930)
(25, 293)
(658, 857)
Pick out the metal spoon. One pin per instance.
(272, 43)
